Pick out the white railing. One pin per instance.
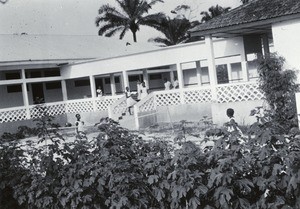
(238, 92)
(117, 108)
(57, 108)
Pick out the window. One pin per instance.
(222, 74)
(133, 78)
(117, 79)
(53, 85)
(79, 83)
(107, 80)
(10, 76)
(52, 73)
(155, 76)
(14, 88)
(35, 74)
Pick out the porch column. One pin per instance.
(198, 70)
(112, 84)
(24, 93)
(244, 64)
(93, 91)
(146, 78)
(64, 90)
(229, 71)
(172, 76)
(211, 66)
(266, 45)
(180, 81)
(125, 79)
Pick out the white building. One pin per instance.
(213, 74)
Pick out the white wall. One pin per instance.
(161, 57)
(286, 36)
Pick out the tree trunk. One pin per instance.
(134, 36)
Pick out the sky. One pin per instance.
(77, 17)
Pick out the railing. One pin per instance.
(57, 108)
(234, 92)
(117, 108)
(238, 92)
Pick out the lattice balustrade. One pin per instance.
(238, 92)
(120, 108)
(165, 99)
(197, 96)
(12, 115)
(148, 105)
(80, 106)
(103, 104)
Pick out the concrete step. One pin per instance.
(128, 122)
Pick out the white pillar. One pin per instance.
(211, 66)
(112, 84)
(93, 91)
(64, 90)
(266, 46)
(198, 70)
(125, 79)
(172, 76)
(93, 86)
(180, 81)
(24, 93)
(229, 71)
(146, 78)
(245, 73)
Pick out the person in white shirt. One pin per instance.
(144, 90)
(167, 84)
(99, 92)
(138, 89)
(79, 130)
(175, 83)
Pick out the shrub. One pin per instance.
(118, 169)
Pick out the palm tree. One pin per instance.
(213, 11)
(175, 31)
(133, 13)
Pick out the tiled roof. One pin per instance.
(257, 10)
(55, 47)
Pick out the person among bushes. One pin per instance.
(231, 125)
(79, 130)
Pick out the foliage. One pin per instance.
(279, 89)
(175, 31)
(118, 169)
(132, 14)
(212, 12)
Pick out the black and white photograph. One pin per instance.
(149, 104)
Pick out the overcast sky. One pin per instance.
(77, 17)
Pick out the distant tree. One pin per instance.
(131, 15)
(212, 12)
(3, 1)
(175, 31)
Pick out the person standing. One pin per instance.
(79, 130)
(144, 90)
(167, 84)
(175, 83)
(138, 89)
(129, 100)
(99, 92)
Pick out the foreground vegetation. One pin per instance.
(118, 169)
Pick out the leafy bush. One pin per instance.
(279, 87)
(118, 169)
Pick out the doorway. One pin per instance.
(37, 93)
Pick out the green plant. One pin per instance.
(278, 85)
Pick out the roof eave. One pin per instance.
(244, 25)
